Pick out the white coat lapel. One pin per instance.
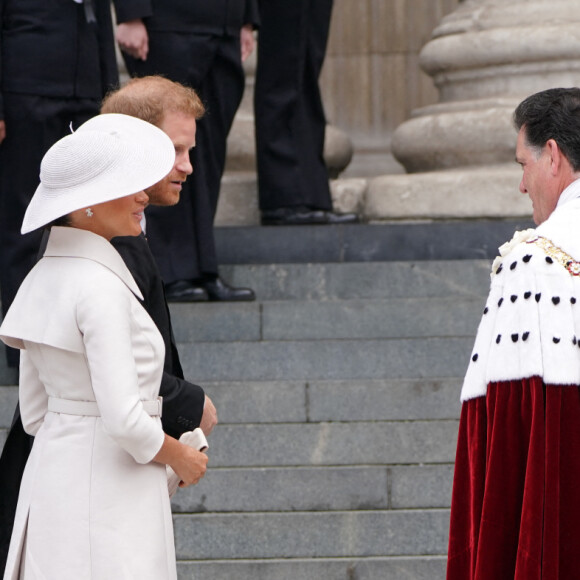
(75, 243)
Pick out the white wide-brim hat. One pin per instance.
(108, 157)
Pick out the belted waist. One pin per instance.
(91, 409)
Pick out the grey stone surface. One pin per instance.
(383, 400)
(394, 318)
(8, 376)
(395, 568)
(259, 402)
(238, 199)
(403, 239)
(216, 321)
(311, 444)
(274, 244)
(493, 193)
(286, 489)
(421, 486)
(349, 400)
(308, 535)
(372, 280)
(348, 195)
(3, 434)
(298, 320)
(8, 400)
(326, 359)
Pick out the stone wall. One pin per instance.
(371, 79)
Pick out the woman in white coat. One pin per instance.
(93, 501)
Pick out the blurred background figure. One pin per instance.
(201, 45)
(290, 122)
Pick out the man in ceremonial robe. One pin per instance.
(516, 508)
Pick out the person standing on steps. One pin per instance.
(201, 45)
(289, 116)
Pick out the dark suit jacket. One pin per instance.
(200, 16)
(182, 401)
(48, 48)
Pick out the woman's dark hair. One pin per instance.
(552, 114)
(61, 221)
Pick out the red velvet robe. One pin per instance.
(516, 493)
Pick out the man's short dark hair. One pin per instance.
(552, 114)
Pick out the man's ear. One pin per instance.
(557, 158)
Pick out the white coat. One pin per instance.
(92, 504)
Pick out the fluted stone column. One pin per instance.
(484, 58)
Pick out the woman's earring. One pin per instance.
(89, 212)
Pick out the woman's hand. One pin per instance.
(192, 467)
(188, 463)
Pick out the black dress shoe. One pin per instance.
(299, 216)
(184, 291)
(218, 291)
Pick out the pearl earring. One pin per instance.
(89, 212)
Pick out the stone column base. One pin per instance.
(486, 192)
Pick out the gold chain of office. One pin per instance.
(557, 254)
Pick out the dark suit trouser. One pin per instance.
(181, 237)
(12, 464)
(290, 121)
(33, 125)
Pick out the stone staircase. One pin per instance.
(337, 393)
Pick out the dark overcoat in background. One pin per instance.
(290, 120)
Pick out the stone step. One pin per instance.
(351, 400)
(333, 444)
(347, 534)
(8, 376)
(382, 242)
(337, 281)
(312, 320)
(393, 568)
(288, 489)
(429, 357)
(8, 400)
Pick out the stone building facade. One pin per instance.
(372, 80)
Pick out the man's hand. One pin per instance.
(209, 418)
(246, 41)
(133, 38)
(2, 131)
